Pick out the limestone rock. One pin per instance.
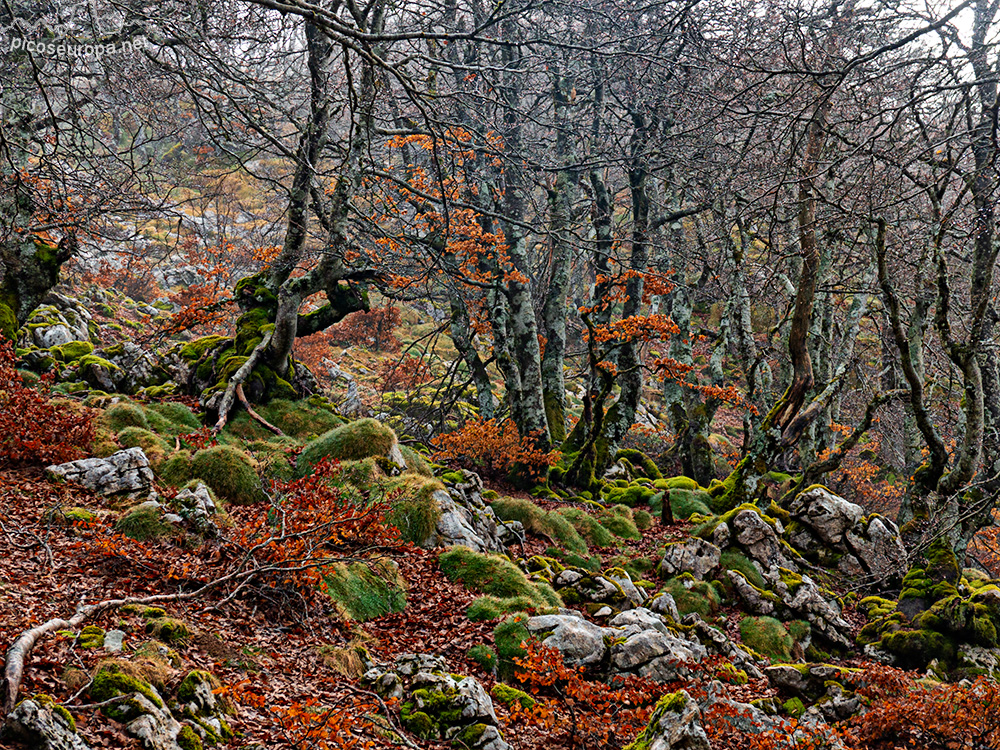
(467, 520)
(829, 516)
(197, 505)
(57, 321)
(125, 472)
(154, 726)
(693, 555)
(654, 654)
(760, 540)
(674, 725)
(663, 604)
(437, 704)
(580, 642)
(40, 724)
(878, 549)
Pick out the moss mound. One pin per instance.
(588, 527)
(496, 576)
(510, 637)
(143, 524)
(357, 440)
(366, 590)
(121, 415)
(171, 418)
(413, 510)
(229, 472)
(767, 636)
(136, 437)
(540, 522)
(618, 520)
(693, 596)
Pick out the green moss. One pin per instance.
(136, 437)
(47, 701)
(171, 418)
(188, 740)
(794, 707)
(728, 673)
(510, 637)
(121, 415)
(701, 597)
(620, 525)
(143, 524)
(168, 629)
(677, 483)
(484, 656)
(640, 460)
(110, 681)
(230, 473)
(917, 648)
(360, 439)
(732, 559)
(71, 351)
(417, 464)
(176, 470)
(643, 519)
(189, 685)
(76, 515)
(767, 636)
(540, 522)
(91, 637)
(493, 575)
(510, 695)
(367, 591)
(588, 527)
(413, 510)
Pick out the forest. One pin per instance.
(513, 375)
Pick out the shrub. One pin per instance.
(767, 636)
(540, 522)
(34, 429)
(484, 656)
(230, 474)
(496, 448)
(357, 440)
(406, 374)
(366, 590)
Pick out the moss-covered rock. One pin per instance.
(767, 636)
(540, 522)
(230, 473)
(142, 523)
(360, 439)
(495, 576)
(413, 509)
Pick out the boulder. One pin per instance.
(40, 723)
(198, 506)
(126, 472)
(465, 519)
(580, 642)
(759, 539)
(438, 705)
(829, 516)
(693, 555)
(878, 550)
(57, 321)
(653, 654)
(674, 725)
(577, 586)
(153, 725)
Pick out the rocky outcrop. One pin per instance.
(41, 723)
(676, 724)
(465, 519)
(196, 504)
(126, 472)
(693, 555)
(791, 596)
(57, 321)
(438, 705)
(833, 531)
(637, 642)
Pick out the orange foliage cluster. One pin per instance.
(33, 430)
(308, 723)
(312, 350)
(859, 476)
(495, 447)
(647, 327)
(600, 716)
(406, 374)
(133, 278)
(310, 523)
(373, 329)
